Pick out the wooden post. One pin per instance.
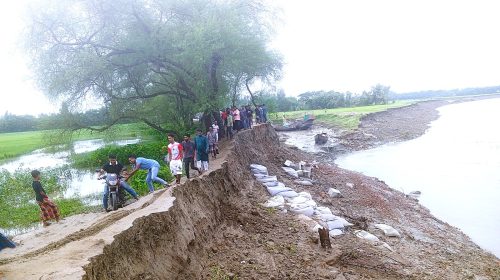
(324, 238)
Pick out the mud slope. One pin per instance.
(216, 229)
(173, 244)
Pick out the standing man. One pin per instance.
(201, 145)
(237, 119)
(213, 139)
(114, 167)
(188, 149)
(152, 166)
(175, 157)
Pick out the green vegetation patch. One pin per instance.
(344, 118)
(18, 207)
(18, 143)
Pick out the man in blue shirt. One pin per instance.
(152, 166)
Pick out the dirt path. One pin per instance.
(61, 250)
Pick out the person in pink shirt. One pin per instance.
(237, 119)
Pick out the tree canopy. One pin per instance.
(155, 61)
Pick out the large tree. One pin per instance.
(156, 61)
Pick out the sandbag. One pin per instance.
(259, 175)
(275, 201)
(258, 171)
(335, 224)
(258, 166)
(267, 179)
(271, 184)
(305, 194)
(327, 217)
(276, 190)
(298, 200)
(290, 193)
(311, 202)
(290, 171)
(322, 210)
(366, 236)
(335, 232)
(334, 192)
(300, 209)
(388, 230)
(303, 182)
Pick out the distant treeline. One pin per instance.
(18, 123)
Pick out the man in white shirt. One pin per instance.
(175, 157)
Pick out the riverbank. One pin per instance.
(213, 227)
(396, 124)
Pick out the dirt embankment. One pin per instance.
(217, 229)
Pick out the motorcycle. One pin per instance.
(116, 197)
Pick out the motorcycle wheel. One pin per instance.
(114, 201)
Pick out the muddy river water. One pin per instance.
(455, 165)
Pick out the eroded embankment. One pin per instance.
(170, 245)
(216, 228)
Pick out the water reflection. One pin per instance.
(77, 183)
(455, 164)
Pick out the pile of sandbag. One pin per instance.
(299, 203)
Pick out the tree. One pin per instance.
(158, 62)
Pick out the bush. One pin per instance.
(96, 159)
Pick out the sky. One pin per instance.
(339, 45)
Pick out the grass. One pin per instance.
(18, 143)
(344, 118)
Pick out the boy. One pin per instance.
(48, 210)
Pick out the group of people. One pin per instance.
(180, 156)
(235, 119)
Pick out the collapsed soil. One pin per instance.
(217, 229)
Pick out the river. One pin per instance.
(455, 164)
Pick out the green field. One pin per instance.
(18, 143)
(343, 118)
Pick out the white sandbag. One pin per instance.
(327, 217)
(305, 194)
(311, 202)
(258, 171)
(276, 190)
(271, 184)
(267, 179)
(304, 182)
(275, 201)
(290, 171)
(300, 209)
(334, 192)
(335, 232)
(366, 236)
(388, 230)
(344, 221)
(322, 210)
(316, 228)
(289, 163)
(258, 166)
(335, 224)
(298, 200)
(259, 175)
(289, 194)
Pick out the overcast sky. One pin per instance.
(336, 45)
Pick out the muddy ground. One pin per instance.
(214, 227)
